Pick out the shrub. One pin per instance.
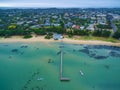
(27, 36)
(47, 37)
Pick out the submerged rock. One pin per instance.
(24, 46)
(102, 47)
(14, 50)
(10, 57)
(114, 54)
(84, 51)
(86, 47)
(50, 61)
(74, 50)
(101, 57)
(107, 66)
(58, 52)
(61, 46)
(92, 55)
(5, 45)
(22, 53)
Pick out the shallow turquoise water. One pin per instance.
(21, 67)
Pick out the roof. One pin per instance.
(76, 26)
(57, 36)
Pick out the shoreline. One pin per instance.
(66, 40)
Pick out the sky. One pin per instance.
(61, 3)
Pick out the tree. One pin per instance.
(106, 33)
(62, 24)
(39, 32)
(12, 27)
(97, 33)
(101, 33)
(104, 26)
(117, 35)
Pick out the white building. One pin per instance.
(91, 27)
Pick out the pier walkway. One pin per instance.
(61, 66)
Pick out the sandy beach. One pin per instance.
(67, 40)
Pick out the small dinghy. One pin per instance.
(81, 73)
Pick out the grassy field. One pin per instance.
(110, 39)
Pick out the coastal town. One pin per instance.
(59, 44)
(102, 22)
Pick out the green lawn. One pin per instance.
(110, 39)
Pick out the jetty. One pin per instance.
(61, 66)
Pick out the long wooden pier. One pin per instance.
(61, 67)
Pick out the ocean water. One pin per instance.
(36, 66)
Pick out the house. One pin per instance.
(93, 18)
(57, 36)
(1, 24)
(91, 27)
(68, 24)
(47, 24)
(116, 16)
(82, 27)
(35, 26)
(66, 14)
(76, 26)
(20, 23)
(56, 24)
(28, 22)
(55, 17)
(73, 26)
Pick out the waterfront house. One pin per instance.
(57, 36)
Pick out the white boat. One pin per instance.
(81, 73)
(40, 79)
